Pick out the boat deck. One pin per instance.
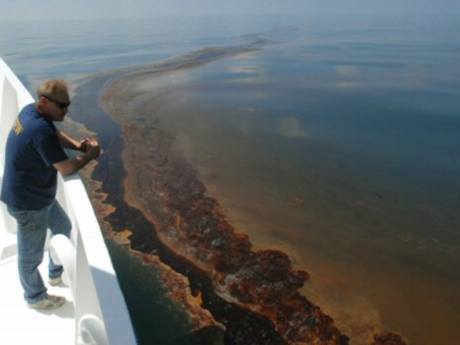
(20, 325)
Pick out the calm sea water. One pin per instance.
(337, 141)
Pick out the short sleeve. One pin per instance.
(49, 148)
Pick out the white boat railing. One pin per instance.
(101, 316)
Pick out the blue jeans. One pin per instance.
(32, 229)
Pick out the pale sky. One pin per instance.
(82, 9)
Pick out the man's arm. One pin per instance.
(72, 165)
(70, 143)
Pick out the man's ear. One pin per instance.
(41, 103)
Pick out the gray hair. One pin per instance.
(54, 89)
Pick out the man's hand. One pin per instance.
(83, 144)
(92, 148)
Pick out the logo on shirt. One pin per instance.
(17, 127)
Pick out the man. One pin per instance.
(33, 156)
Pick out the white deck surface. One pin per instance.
(20, 325)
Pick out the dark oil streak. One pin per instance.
(242, 326)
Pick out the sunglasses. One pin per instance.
(61, 105)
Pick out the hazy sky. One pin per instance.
(80, 9)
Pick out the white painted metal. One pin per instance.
(63, 253)
(20, 325)
(92, 331)
(98, 311)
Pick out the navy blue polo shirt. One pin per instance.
(32, 147)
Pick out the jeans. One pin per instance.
(32, 229)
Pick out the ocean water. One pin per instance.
(336, 141)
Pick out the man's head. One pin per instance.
(53, 99)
